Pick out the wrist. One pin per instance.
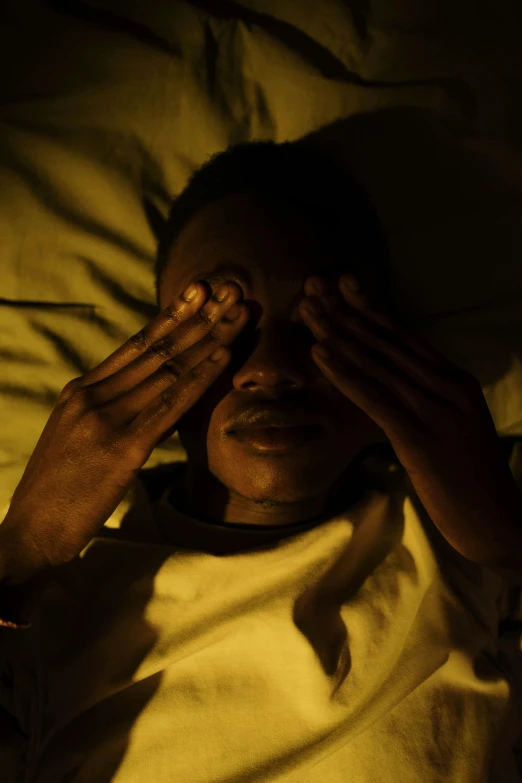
(19, 563)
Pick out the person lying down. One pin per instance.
(318, 592)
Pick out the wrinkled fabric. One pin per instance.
(107, 108)
(360, 647)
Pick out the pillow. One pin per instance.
(108, 107)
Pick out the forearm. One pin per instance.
(486, 530)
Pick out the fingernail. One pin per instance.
(222, 293)
(190, 292)
(322, 351)
(352, 283)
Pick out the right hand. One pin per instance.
(106, 424)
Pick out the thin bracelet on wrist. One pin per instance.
(16, 626)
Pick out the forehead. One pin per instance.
(267, 238)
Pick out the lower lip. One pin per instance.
(279, 439)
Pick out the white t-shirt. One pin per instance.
(356, 647)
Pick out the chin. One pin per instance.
(274, 480)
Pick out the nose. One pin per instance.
(271, 358)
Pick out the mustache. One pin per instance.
(275, 415)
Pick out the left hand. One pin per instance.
(433, 413)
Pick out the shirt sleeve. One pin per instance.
(13, 741)
(510, 645)
(510, 627)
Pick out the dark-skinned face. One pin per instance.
(270, 365)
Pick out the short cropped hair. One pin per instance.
(303, 178)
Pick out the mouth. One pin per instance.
(279, 439)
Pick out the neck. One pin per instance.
(203, 497)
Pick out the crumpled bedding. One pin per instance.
(360, 647)
(107, 107)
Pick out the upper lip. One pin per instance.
(273, 417)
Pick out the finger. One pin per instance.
(395, 352)
(175, 330)
(362, 303)
(176, 312)
(175, 371)
(371, 396)
(427, 367)
(336, 294)
(176, 399)
(381, 334)
(351, 352)
(327, 289)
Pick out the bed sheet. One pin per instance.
(106, 108)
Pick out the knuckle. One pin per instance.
(207, 317)
(215, 336)
(169, 398)
(164, 347)
(70, 388)
(81, 399)
(213, 341)
(198, 372)
(139, 340)
(174, 368)
(174, 314)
